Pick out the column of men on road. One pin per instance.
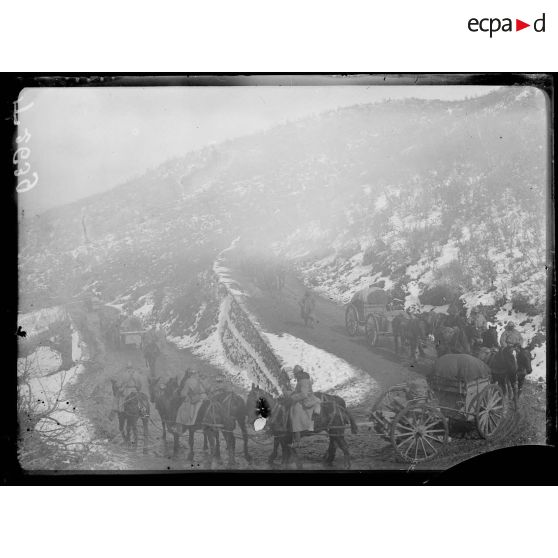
(304, 406)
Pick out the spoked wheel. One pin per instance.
(419, 432)
(490, 411)
(351, 321)
(371, 329)
(386, 408)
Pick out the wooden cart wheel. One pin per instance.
(419, 432)
(386, 407)
(490, 411)
(371, 330)
(351, 320)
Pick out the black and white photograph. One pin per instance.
(278, 275)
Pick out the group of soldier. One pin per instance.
(509, 337)
(303, 405)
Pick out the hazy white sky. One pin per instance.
(86, 140)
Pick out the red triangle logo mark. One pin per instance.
(519, 25)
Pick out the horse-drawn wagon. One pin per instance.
(373, 309)
(131, 332)
(415, 419)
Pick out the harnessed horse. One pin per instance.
(334, 419)
(509, 367)
(451, 340)
(223, 411)
(414, 330)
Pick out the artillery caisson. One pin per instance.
(416, 420)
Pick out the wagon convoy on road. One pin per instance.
(459, 392)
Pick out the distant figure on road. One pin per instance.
(151, 350)
(307, 309)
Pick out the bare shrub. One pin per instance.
(46, 420)
(521, 303)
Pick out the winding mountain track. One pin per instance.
(278, 313)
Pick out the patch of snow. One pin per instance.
(211, 348)
(436, 309)
(184, 341)
(329, 373)
(538, 363)
(477, 298)
(412, 300)
(117, 306)
(42, 362)
(76, 346)
(449, 253)
(418, 269)
(143, 312)
(38, 322)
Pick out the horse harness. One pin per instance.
(143, 409)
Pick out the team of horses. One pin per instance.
(224, 411)
(453, 335)
(221, 413)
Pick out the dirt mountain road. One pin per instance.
(280, 313)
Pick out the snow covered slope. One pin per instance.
(419, 193)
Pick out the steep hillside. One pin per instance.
(416, 192)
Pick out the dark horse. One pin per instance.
(151, 352)
(451, 340)
(222, 413)
(509, 366)
(167, 401)
(135, 406)
(334, 419)
(490, 337)
(414, 331)
(474, 337)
